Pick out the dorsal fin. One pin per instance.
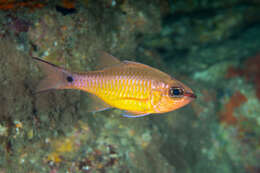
(108, 62)
(147, 68)
(105, 60)
(143, 69)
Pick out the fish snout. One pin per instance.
(190, 95)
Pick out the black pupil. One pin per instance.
(176, 91)
(69, 79)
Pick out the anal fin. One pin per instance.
(134, 114)
(96, 104)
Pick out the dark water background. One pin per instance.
(212, 46)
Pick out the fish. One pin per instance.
(133, 87)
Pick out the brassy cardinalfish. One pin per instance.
(136, 88)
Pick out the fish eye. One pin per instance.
(176, 92)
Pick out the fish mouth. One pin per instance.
(191, 95)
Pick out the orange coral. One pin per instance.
(250, 71)
(235, 101)
(234, 72)
(68, 4)
(14, 4)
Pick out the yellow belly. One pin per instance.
(127, 93)
(127, 100)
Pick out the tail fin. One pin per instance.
(56, 76)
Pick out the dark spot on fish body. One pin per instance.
(70, 79)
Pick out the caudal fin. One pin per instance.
(56, 77)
